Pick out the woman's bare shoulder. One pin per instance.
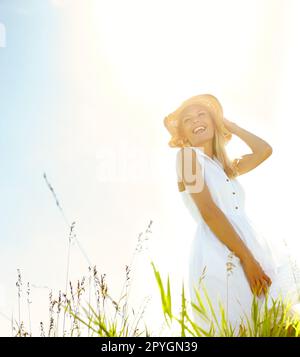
(186, 164)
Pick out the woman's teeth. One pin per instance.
(199, 129)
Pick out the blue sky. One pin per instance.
(47, 126)
(31, 90)
(30, 81)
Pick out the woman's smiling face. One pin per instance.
(197, 124)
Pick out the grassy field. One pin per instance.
(86, 308)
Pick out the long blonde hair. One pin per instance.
(173, 122)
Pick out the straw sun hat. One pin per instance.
(214, 107)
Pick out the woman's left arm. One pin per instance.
(261, 150)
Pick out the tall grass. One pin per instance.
(86, 307)
(277, 321)
(102, 317)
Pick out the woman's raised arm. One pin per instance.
(261, 150)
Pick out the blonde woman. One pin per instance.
(227, 254)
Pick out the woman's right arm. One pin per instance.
(215, 218)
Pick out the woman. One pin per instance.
(227, 255)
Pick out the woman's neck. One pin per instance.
(207, 148)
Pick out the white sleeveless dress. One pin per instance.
(209, 257)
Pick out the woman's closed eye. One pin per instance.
(187, 120)
(193, 116)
